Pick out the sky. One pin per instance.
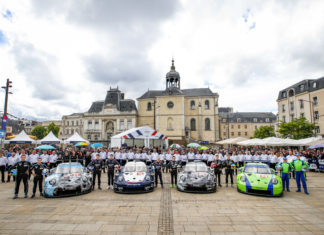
(62, 55)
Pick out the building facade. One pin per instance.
(103, 119)
(303, 99)
(184, 115)
(242, 124)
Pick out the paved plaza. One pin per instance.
(166, 211)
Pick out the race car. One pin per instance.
(134, 177)
(68, 179)
(196, 177)
(259, 179)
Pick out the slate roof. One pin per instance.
(127, 105)
(308, 87)
(175, 91)
(248, 117)
(96, 107)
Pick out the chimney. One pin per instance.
(122, 96)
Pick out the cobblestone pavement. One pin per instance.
(166, 211)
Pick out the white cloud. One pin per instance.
(62, 56)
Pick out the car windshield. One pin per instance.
(135, 168)
(67, 169)
(195, 168)
(257, 169)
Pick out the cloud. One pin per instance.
(3, 39)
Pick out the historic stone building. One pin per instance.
(303, 99)
(104, 118)
(181, 114)
(242, 124)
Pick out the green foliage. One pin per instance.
(39, 131)
(299, 128)
(52, 127)
(264, 132)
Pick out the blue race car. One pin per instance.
(135, 177)
(68, 179)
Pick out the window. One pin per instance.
(292, 117)
(291, 93)
(245, 126)
(77, 123)
(301, 104)
(302, 87)
(316, 115)
(292, 106)
(193, 124)
(245, 133)
(206, 104)
(224, 120)
(239, 126)
(96, 137)
(283, 108)
(170, 104)
(207, 124)
(239, 120)
(315, 101)
(317, 129)
(283, 118)
(302, 115)
(170, 123)
(284, 94)
(314, 85)
(267, 120)
(72, 123)
(89, 137)
(129, 124)
(149, 106)
(192, 104)
(72, 131)
(121, 125)
(232, 133)
(255, 120)
(68, 123)
(239, 134)
(89, 125)
(232, 126)
(97, 125)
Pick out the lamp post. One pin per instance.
(311, 112)
(4, 117)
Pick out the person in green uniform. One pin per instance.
(299, 167)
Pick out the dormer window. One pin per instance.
(314, 84)
(302, 87)
(284, 94)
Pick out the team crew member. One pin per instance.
(218, 170)
(286, 168)
(173, 166)
(123, 157)
(33, 157)
(52, 160)
(103, 157)
(229, 170)
(37, 170)
(191, 156)
(247, 157)
(130, 155)
(3, 163)
(158, 171)
(148, 159)
(298, 166)
(97, 165)
(290, 159)
(110, 164)
(184, 158)
(168, 159)
(204, 156)
(23, 168)
(11, 162)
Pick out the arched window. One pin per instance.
(149, 106)
(170, 124)
(291, 93)
(207, 124)
(206, 104)
(193, 124)
(192, 104)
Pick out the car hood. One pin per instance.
(258, 178)
(194, 177)
(65, 178)
(133, 177)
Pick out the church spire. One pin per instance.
(172, 66)
(172, 78)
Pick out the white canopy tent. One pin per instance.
(75, 138)
(231, 140)
(50, 139)
(274, 141)
(21, 138)
(251, 142)
(139, 136)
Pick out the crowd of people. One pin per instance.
(28, 162)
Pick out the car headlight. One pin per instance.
(147, 178)
(120, 178)
(243, 178)
(52, 182)
(274, 181)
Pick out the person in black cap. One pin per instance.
(37, 170)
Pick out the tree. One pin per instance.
(264, 132)
(39, 131)
(299, 128)
(52, 127)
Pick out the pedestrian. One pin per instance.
(229, 169)
(299, 166)
(110, 164)
(23, 169)
(218, 170)
(97, 165)
(3, 163)
(173, 166)
(37, 170)
(158, 171)
(11, 162)
(285, 169)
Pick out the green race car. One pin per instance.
(259, 179)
